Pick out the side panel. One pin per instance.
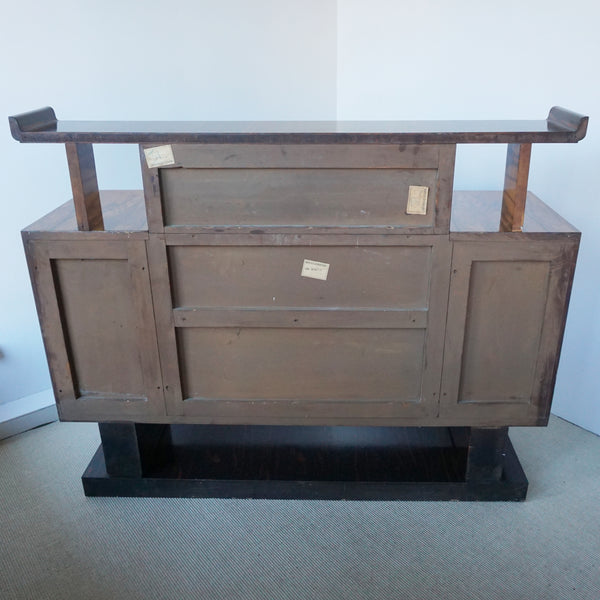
(96, 315)
(506, 315)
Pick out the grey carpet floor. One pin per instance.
(57, 544)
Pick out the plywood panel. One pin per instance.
(307, 364)
(100, 325)
(299, 197)
(505, 313)
(271, 276)
(306, 156)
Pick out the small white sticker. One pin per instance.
(417, 200)
(315, 269)
(159, 156)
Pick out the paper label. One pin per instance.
(417, 200)
(315, 269)
(160, 156)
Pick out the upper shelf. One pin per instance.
(41, 125)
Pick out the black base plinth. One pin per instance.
(325, 463)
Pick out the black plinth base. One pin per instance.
(326, 463)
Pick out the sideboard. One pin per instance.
(302, 309)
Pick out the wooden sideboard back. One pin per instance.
(284, 277)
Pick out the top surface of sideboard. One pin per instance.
(474, 212)
(41, 126)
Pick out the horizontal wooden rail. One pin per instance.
(297, 318)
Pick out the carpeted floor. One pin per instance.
(57, 544)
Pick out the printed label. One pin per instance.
(417, 200)
(160, 156)
(315, 269)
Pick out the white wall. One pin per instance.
(194, 59)
(469, 59)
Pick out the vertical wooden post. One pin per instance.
(84, 184)
(515, 187)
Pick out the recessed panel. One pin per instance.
(505, 315)
(99, 323)
(303, 365)
(296, 197)
(377, 277)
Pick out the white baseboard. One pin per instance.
(26, 413)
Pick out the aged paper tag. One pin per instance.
(160, 156)
(417, 200)
(315, 269)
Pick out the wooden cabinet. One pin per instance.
(325, 276)
(462, 331)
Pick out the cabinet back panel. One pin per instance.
(271, 276)
(298, 197)
(307, 364)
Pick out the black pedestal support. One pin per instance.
(328, 463)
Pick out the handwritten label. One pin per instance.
(315, 269)
(417, 200)
(160, 156)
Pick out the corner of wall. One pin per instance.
(27, 413)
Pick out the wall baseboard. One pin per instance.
(26, 413)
